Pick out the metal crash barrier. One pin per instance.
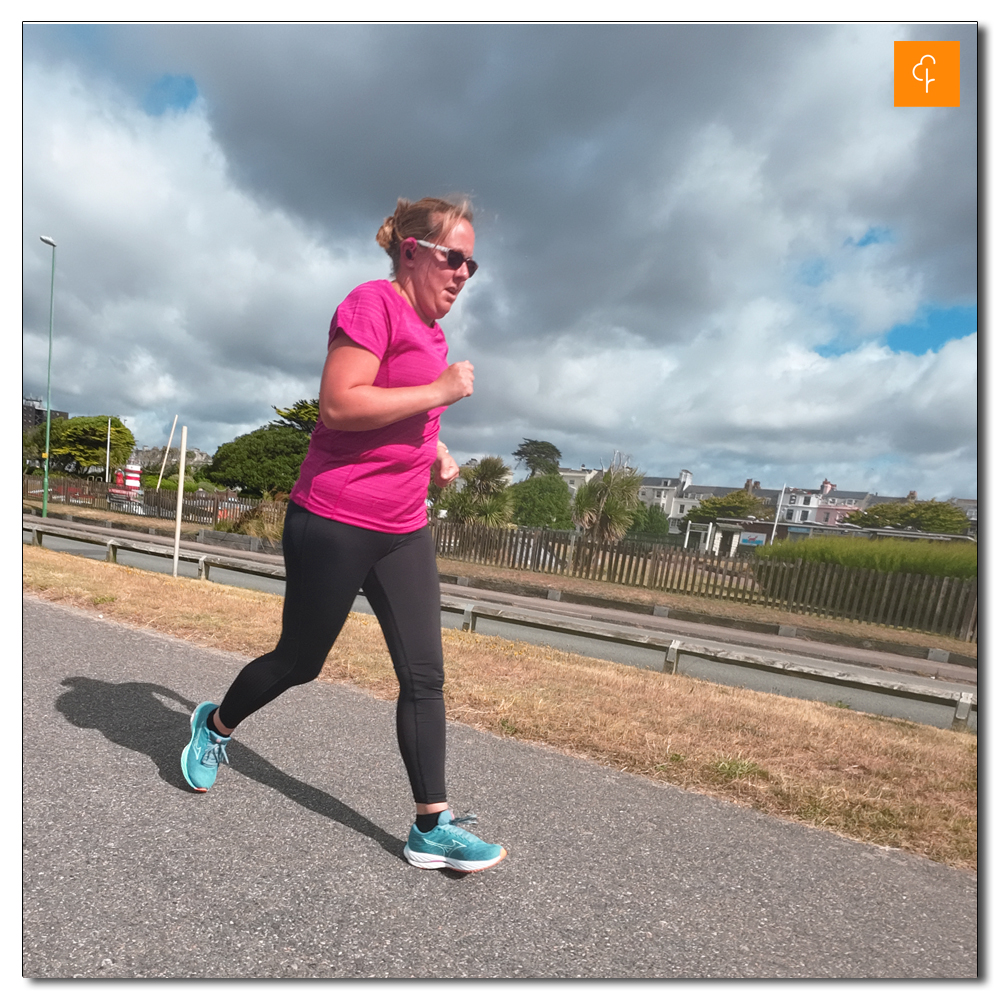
(963, 702)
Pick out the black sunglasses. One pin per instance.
(455, 258)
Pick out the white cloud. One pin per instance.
(644, 285)
(175, 290)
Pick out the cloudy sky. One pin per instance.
(712, 247)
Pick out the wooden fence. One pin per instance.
(943, 605)
(207, 508)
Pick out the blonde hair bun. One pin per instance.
(386, 233)
(422, 220)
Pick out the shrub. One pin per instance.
(888, 555)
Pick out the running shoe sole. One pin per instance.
(419, 860)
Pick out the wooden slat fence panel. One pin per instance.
(942, 605)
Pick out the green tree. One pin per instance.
(939, 517)
(32, 446)
(542, 502)
(78, 446)
(927, 515)
(303, 415)
(264, 461)
(541, 457)
(650, 522)
(880, 515)
(605, 506)
(739, 503)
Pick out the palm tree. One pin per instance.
(487, 478)
(493, 511)
(485, 498)
(603, 507)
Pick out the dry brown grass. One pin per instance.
(881, 781)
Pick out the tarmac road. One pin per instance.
(291, 865)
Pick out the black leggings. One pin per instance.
(326, 562)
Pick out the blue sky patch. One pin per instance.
(930, 331)
(814, 271)
(933, 329)
(834, 348)
(170, 93)
(876, 234)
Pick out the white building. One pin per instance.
(575, 478)
(657, 491)
(828, 505)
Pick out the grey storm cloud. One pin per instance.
(648, 198)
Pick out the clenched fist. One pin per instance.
(455, 382)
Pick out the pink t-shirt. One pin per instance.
(378, 479)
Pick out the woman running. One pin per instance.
(357, 517)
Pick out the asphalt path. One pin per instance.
(291, 866)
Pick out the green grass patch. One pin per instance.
(734, 768)
(672, 758)
(888, 555)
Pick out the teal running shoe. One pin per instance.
(200, 759)
(449, 846)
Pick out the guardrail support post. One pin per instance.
(468, 620)
(671, 656)
(112, 556)
(962, 709)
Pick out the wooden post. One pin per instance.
(180, 498)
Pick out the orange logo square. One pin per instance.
(925, 74)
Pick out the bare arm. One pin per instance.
(348, 401)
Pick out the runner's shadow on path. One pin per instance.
(132, 715)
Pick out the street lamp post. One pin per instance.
(48, 379)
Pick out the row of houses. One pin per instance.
(825, 506)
